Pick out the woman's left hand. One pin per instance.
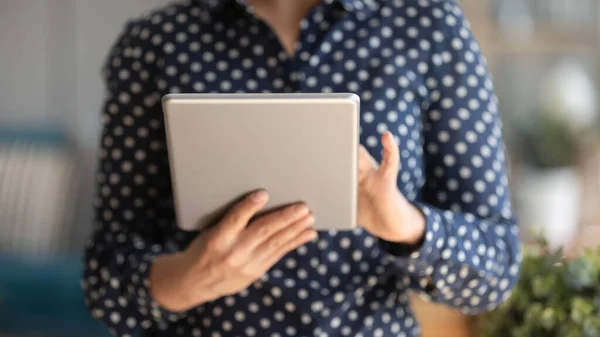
(382, 209)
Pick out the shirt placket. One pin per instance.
(273, 65)
(314, 39)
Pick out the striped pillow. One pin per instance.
(38, 181)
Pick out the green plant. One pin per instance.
(555, 297)
(548, 142)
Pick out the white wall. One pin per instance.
(23, 61)
(51, 53)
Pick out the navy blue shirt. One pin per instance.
(419, 73)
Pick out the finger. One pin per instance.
(366, 163)
(281, 240)
(390, 163)
(240, 214)
(304, 237)
(270, 224)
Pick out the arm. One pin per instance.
(133, 211)
(470, 254)
(136, 275)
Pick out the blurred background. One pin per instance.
(543, 54)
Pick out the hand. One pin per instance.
(382, 209)
(229, 257)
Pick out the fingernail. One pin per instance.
(259, 196)
(301, 209)
(391, 137)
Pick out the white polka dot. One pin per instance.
(449, 160)
(115, 317)
(372, 141)
(465, 172)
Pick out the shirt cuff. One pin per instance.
(426, 252)
(139, 289)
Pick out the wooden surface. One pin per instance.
(589, 237)
(439, 321)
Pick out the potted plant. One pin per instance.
(549, 190)
(549, 187)
(555, 297)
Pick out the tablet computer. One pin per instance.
(299, 147)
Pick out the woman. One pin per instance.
(434, 202)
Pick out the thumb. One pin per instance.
(366, 163)
(390, 163)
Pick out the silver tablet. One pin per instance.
(299, 147)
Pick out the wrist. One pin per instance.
(414, 223)
(167, 279)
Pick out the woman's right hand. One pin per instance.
(229, 257)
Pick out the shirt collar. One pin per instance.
(364, 6)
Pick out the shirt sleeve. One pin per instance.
(470, 255)
(133, 203)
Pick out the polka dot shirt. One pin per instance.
(419, 73)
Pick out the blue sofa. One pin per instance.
(44, 299)
(39, 296)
